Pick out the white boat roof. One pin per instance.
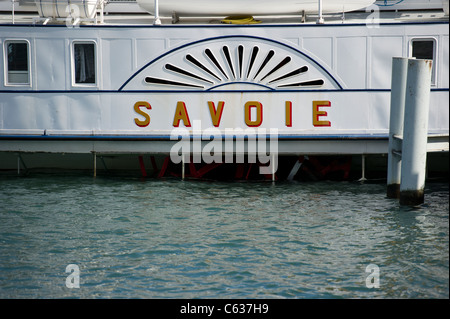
(146, 19)
(115, 14)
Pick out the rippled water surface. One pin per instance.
(185, 239)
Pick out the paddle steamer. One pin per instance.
(103, 85)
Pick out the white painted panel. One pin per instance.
(148, 49)
(50, 64)
(322, 48)
(19, 111)
(438, 119)
(118, 60)
(443, 59)
(2, 66)
(352, 61)
(85, 111)
(382, 51)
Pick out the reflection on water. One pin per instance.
(174, 239)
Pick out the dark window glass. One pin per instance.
(423, 49)
(18, 56)
(84, 58)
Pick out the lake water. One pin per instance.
(134, 238)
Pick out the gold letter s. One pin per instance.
(137, 109)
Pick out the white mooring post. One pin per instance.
(398, 91)
(413, 154)
(415, 132)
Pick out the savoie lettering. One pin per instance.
(253, 113)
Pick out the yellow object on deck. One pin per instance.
(240, 20)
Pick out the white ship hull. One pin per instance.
(123, 89)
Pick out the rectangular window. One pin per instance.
(17, 62)
(425, 49)
(84, 63)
